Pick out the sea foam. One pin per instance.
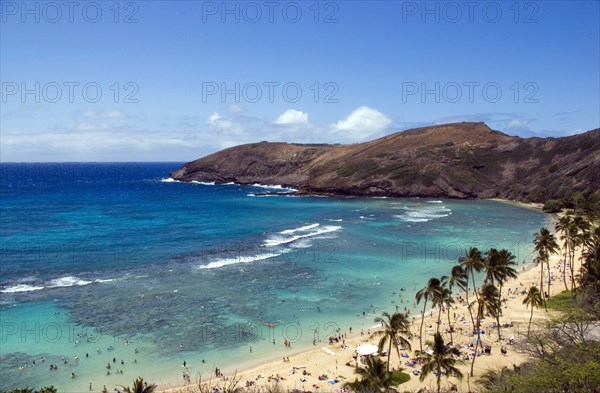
(67, 281)
(304, 232)
(21, 288)
(423, 214)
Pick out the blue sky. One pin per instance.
(178, 80)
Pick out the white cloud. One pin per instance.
(103, 136)
(220, 123)
(108, 114)
(292, 116)
(234, 108)
(517, 124)
(363, 119)
(102, 145)
(363, 122)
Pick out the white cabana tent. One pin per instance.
(367, 349)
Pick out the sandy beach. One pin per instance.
(319, 368)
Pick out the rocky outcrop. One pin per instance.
(460, 160)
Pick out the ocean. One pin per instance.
(115, 264)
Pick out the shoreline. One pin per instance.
(303, 354)
(333, 363)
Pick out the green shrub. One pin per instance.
(398, 377)
(347, 170)
(45, 389)
(561, 302)
(553, 206)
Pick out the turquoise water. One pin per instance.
(113, 261)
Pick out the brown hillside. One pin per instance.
(460, 160)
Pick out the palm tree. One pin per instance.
(374, 377)
(471, 262)
(427, 293)
(505, 261)
(562, 227)
(583, 231)
(394, 326)
(490, 266)
(439, 300)
(570, 239)
(139, 386)
(448, 302)
(487, 301)
(582, 238)
(441, 360)
(590, 269)
(459, 278)
(545, 245)
(533, 299)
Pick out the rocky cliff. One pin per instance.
(460, 160)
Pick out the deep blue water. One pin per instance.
(95, 256)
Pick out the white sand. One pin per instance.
(333, 361)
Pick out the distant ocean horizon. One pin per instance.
(104, 261)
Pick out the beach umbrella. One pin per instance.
(367, 349)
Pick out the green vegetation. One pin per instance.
(441, 360)
(347, 170)
(398, 377)
(553, 206)
(533, 299)
(45, 389)
(374, 377)
(139, 386)
(561, 302)
(394, 326)
(564, 352)
(545, 245)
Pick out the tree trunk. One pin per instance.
(478, 337)
(389, 354)
(498, 326)
(499, 311)
(542, 278)
(530, 318)
(565, 269)
(476, 345)
(474, 286)
(421, 328)
(549, 274)
(573, 287)
(450, 326)
(542, 284)
(439, 375)
(439, 320)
